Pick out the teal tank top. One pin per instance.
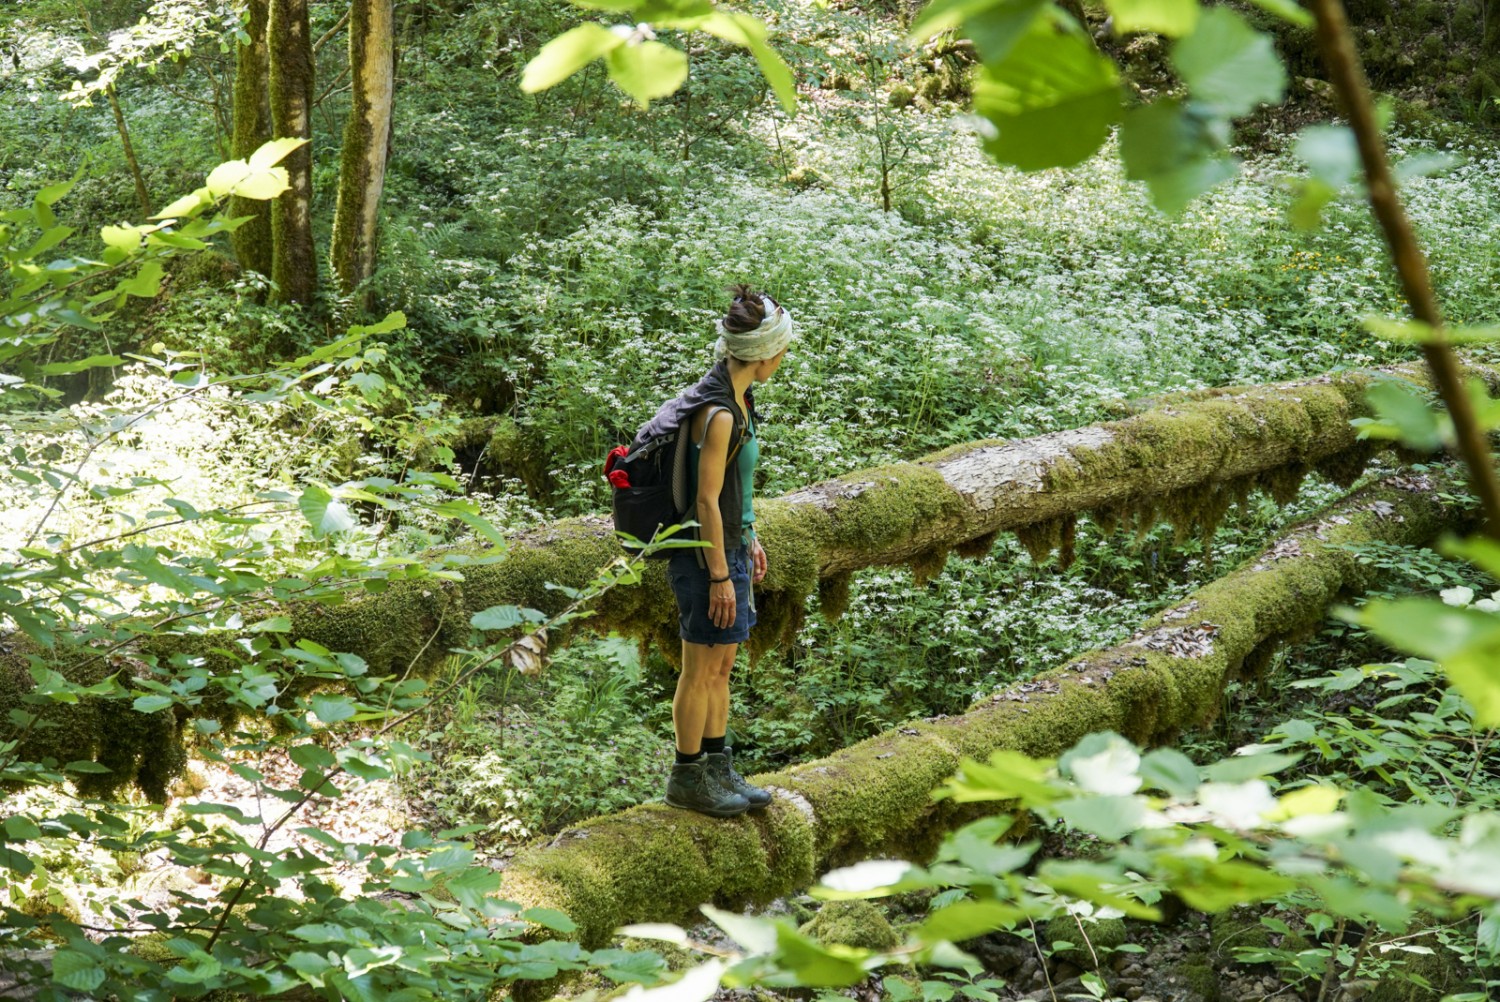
(749, 456)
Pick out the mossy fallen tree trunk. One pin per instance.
(1185, 460)
(653, 863)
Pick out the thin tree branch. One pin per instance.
(1337, 44)
(331, 32)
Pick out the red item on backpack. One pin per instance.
(619, 478)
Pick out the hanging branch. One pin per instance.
(1337, 45)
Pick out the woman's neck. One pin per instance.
(741, 375)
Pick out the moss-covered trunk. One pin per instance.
(252, 128)
(372, 62)
(294, 264)
(1184, 460)
(653, 863)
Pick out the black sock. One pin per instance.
(688, 758)
(714, 744)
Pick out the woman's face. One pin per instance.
(769, 366)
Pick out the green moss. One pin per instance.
(1443, 971)
(893, 503)
(1200, 977)
(928, 564)
(833, 596)
(1103, 935)
(656, 860)
(978, 547)
(1236, 929)
(955, 451)
(852, 923)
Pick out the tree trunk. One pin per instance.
(252, 128)
(655, 864)
(372, 61)
(1183, 461)
(294, 265)
(142, 195)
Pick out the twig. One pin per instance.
(1348, 76)
(1333, 960)
(337, 25)
(337, 770)
(1041, 957)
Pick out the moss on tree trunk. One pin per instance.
(252, 128)
(294, 265)
(366, 142)
(654, 863)
(1183, 461)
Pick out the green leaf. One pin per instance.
(567, 54)
(1330, 152)
(187, 205)
(76, 970)
(549, 918)
(1287, 10)
(323, 512)
(1008, 775)
(1051, 101)
(967, 919)
(1165, 17)
(750, 33)
(86, 766)
(275, 624)
(869, 879)
(996, 29)
(1243, 768)
(92, 362)
(1213, 886)
(1228, 65)
(53, 192)
(816, 965)
(1097, 883)
(311, 756)
(332, 709)
(1110, 818)
(152, 703)
(145, 283)
(497, 617)
(1176, 149)
(1425, 165)
(647, 70)
(20, 828)
(756, 935)
(1401, 413)
(273, 152)
(1170, 770)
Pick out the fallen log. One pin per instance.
(654, 863)
(1184, 460)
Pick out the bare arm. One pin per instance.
(711, 467)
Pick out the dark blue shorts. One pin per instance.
(690, 585)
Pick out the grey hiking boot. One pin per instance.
(694, 788)
(721, 764)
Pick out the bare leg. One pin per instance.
(716, 723)
(696, 685)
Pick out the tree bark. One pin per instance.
(655, 864)
(294, 266)
(252, 242)
(1183, 460)
(141, 194)
(372, 60)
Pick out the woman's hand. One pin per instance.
(757, 561)
(721, 604)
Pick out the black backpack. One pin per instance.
(654, 492)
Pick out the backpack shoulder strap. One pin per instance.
(715, 409)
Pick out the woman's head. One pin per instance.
(756, 328)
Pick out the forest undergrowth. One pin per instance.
(560, 261)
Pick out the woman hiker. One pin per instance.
(713, 583)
